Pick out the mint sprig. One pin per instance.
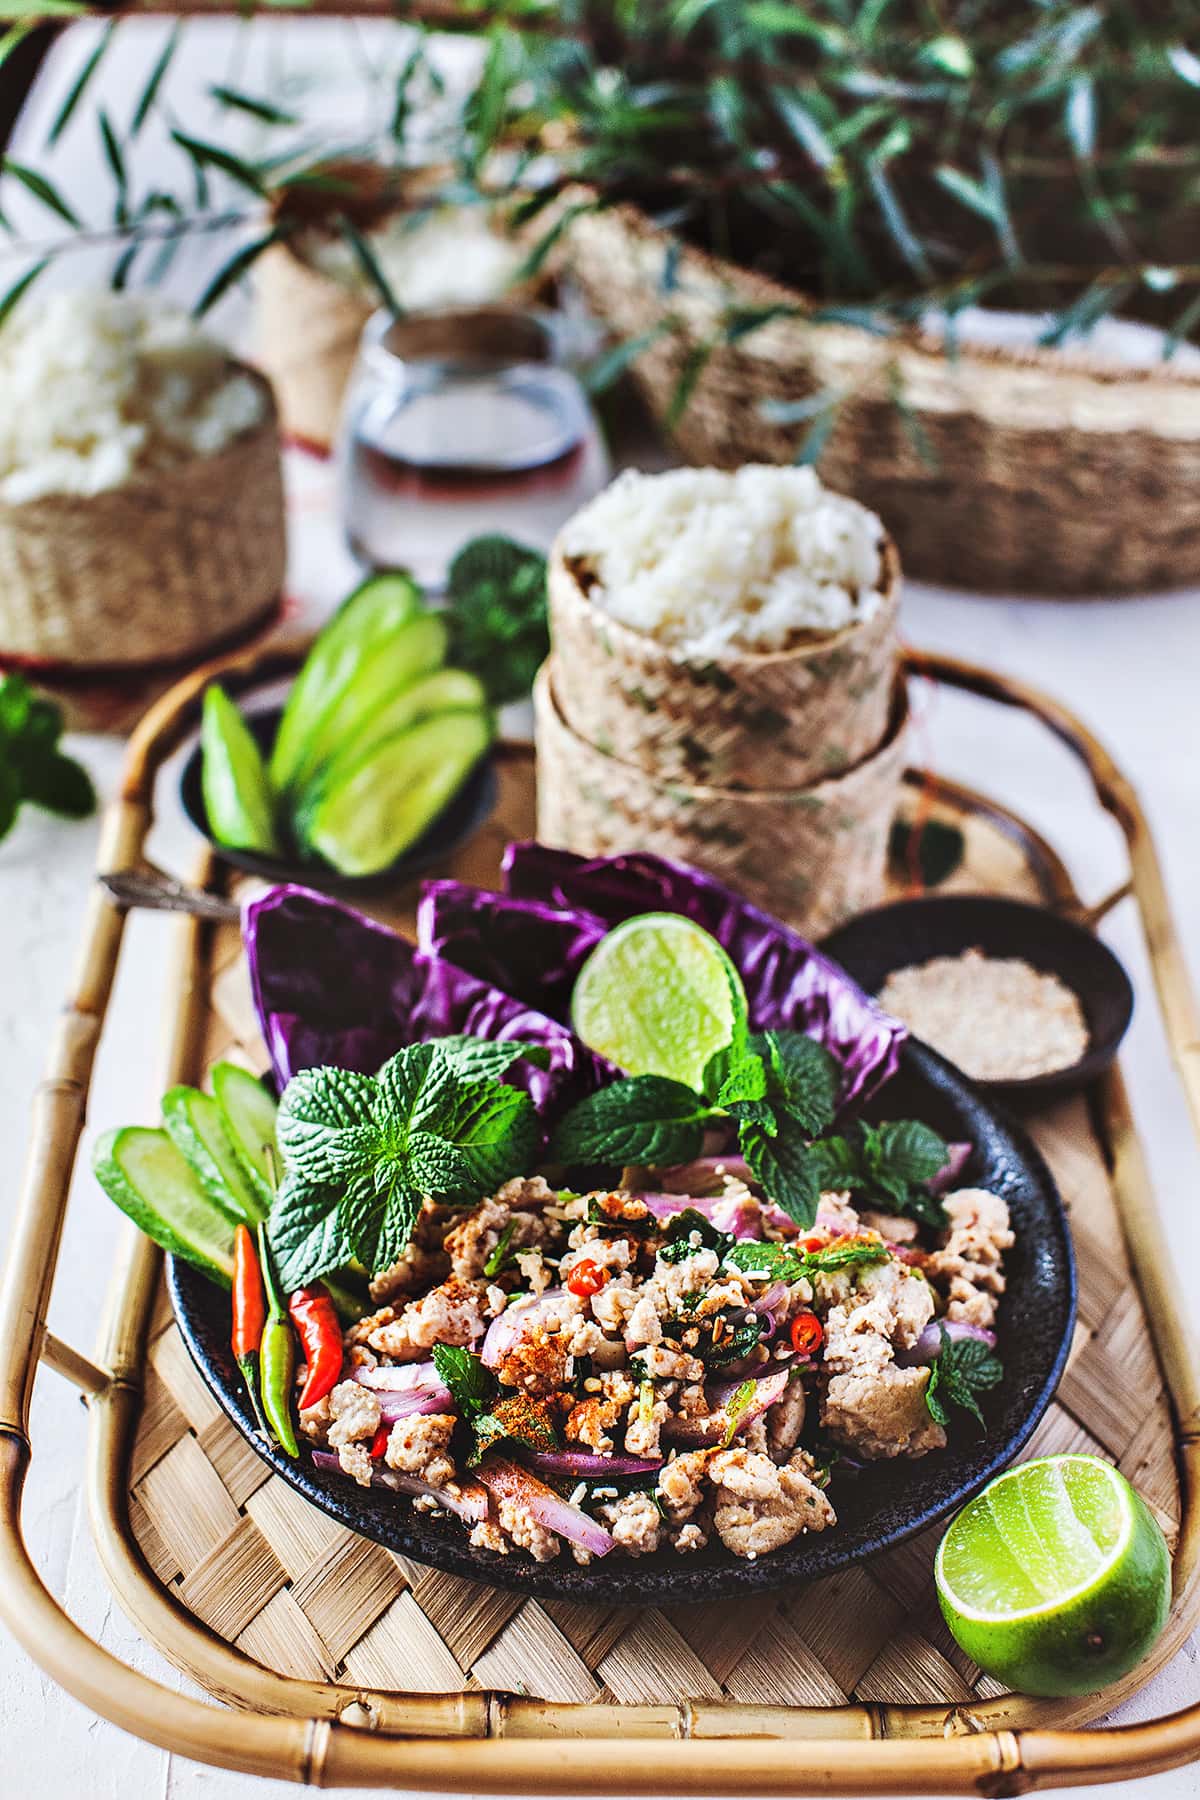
(361, 1152)
(891, 1164)
(964, 1369)
(779, 1087)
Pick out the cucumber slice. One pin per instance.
(370, 617)
(416, 650)
(147, 1176)
(449, 690)
(235, 783)
(383, 805)
(248, 1114)
(194, 1124)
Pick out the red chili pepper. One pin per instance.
(316, 1320)
(808, 1334)
(586, 1279)
(379, 1443)
(813, 1243)
(249, 1316)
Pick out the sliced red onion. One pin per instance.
(508, 1481)
(590, 1466)
(928, 1346)
(767, 1390)
(908, 1253)
(469, 1502)
(437, 1399)
(735, 1216)
(397, 1378)
(701, 1176)
(504, 1331)
(958, 1155)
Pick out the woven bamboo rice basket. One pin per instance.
(308, 331)
(1028, 470)
(170, 564)
(814, 855)
(781, 720)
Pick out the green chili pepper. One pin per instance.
(276, 1357)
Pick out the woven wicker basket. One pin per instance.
(753, 721)
(308, 331)
(813, 855)
(1042, 472)
(162, 568)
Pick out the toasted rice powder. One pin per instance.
(996, 1018)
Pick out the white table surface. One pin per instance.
(1128, 667)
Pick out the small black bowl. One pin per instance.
(892, 937)
(470, 808)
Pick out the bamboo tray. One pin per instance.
(352, 1667)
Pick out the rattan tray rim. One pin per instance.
(484, 1741)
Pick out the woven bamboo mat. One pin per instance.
(303, 1596)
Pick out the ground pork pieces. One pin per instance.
(645, 1390)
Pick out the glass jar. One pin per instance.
(460, 423)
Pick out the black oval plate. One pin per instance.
(470, 808)
(886, 1503)
(891, 937)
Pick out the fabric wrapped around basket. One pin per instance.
(776, 720)
(812, 855)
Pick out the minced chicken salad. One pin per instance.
(619, 1258)
(677, 1375)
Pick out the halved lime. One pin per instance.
(658, 996)
(1056, 1579)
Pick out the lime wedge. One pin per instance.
(658, 996)
(234, 780)
(1056, 1579)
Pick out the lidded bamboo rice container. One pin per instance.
(812, 855)
(747, 719)
(723, 686)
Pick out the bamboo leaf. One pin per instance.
(205, 155)
(34, 11)
(20, 287)
(1185, 63)
(41, 189)
(369, 264)
(694, 365)
(1081, 117)
(812, 445)
(741, 321)
(232, 271)
(911, 421)
(950, 53)
(236, 101)
(806, 130)
(65, 112)
(122, 268)
(608, 368)
(798, 412)
(902, 234)
(113, 154)
(1182, 328)
(149, 93)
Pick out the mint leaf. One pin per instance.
(471, 1384)
(642, 1119)
(326, 1123)
(59, 784)
(777, 1261)
(802, 1078)
(683, 1227)
(784, 1169)
(911, 1151)
(891, 1164)
(965, 1368)
(517, 1418)
(476, 1058)
(377, 1218)
(307, 1237)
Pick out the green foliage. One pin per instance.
(362, 1151)
(32, 766)
(891, 1165)
(964, 1369)
(497, 614)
